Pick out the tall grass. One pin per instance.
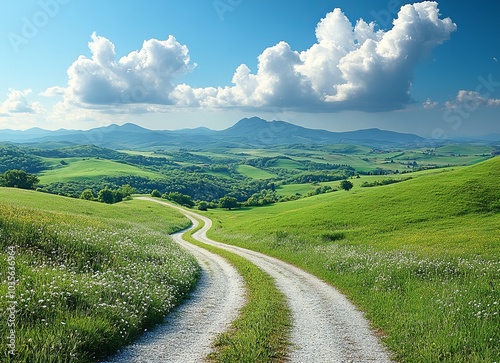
(421, 258)
(85, 286)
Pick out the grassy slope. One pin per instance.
(136, 212)
(253, 172)
(89, 280)
(78, 169)
(464, 149)
(420, 257)
(303, 189)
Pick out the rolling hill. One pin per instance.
(91, 277)
(249, 132)
(421, 258)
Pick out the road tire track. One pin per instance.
(327, 327)
(188, 332)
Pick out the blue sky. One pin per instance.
(169, 64)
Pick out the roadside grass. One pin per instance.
(420, 258)
(86, 285)
(129, 212)
(89, 168)
(261, 332)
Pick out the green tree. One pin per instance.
(117, 196)
(126, 190)
(180, 198)
(346, 185)
(228, 202)
(18, 179)
(156, 193)
(264, 197)
(203, 206)
(106, 195)
(87, 194)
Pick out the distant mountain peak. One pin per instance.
(248, 132)
(127, 127)
(253, 121)
(247, 125)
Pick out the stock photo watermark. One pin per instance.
(11, 299)
(31, 25)
(385, 16)
(223, 6)
(458, 113)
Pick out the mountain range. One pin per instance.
(248, 132)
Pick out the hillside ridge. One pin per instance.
(252, 132)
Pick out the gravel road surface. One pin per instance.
(327, 328)
(188, 332)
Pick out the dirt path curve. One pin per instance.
(327, 327)
(188, 332)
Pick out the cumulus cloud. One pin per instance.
(350, 67)
(277, 83)
(472, 100)
(16, 102)
(144, 76)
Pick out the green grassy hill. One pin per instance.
(85, 169)
(253, 172)
(420, 257)
(90, 276)
(464, 149)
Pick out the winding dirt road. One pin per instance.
(327, 327)
(188, 332)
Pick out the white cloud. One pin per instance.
(16, 102)
(378, 73)
(471, 100)
(429, 105)
(53, 91)
(350, 67)
(143, 76)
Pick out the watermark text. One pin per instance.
(11, 298)
(31, 26)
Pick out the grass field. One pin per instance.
(421, 258)
(89, 277)
(366, 160)
(303, 189)
(253, 172)
(81, 169)
(464, 149)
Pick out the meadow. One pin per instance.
(88, 280)
(208, 175)
(253, 172)
(87, 169)
(421, 258)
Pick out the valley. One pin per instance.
(412, 243)
(207, 172)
